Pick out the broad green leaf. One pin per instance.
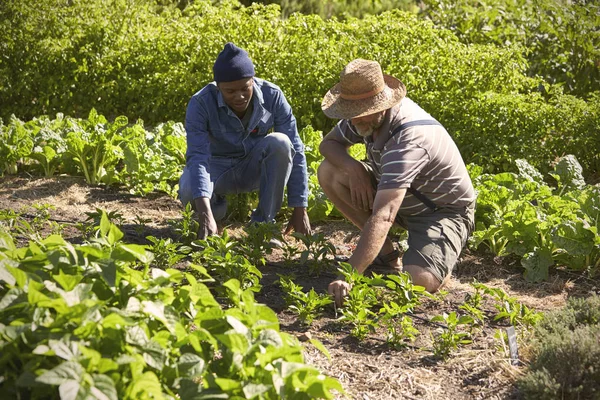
(68, 282)
(6, 241)
(191, 365)
(146, 386)
(54, 241)
(228, 385)
(253, 390)
(20, 276)
(73, 390)
(536, 264)
(13, 298)
(237, 325)
(157, 310)
(319, 346)
(574, 237)
(132, 252)
(68, 370)
(64, 348)
(235, 342)
(104, 388)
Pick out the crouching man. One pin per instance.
(414, 177)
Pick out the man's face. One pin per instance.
(367, 124)
(237, 94)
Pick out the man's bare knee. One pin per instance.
(325, 172)
(422, 277)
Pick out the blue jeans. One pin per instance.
(266, 168)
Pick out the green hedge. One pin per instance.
(144, 61)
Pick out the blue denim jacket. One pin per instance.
(213, 129)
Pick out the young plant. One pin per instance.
(187, 227)
(473, 306)
(450, 338)
(260, 239)
(222, 258)
(307, 305)
(357, 308)
(94, 146)
(166, 252)
(509, 308)
(318, 248)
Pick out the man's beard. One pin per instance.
(367, 130)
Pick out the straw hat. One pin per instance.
(363, 89)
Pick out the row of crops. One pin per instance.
(108, 319)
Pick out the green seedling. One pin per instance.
(307, 305)
(166, 252)
(317, 251)
(259, 240)
(509, 308)
(450, 338)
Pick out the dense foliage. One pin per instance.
(566, 354)
(111, 320)
(143, 60)
(560, 38)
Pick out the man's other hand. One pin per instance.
(339, 289)
(299, 222)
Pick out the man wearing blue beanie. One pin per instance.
(242, 137)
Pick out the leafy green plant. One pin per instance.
(318, 248)
(166, 252)
(509, 308)
(83, 320)
(15, 144)
(357, 309)
(223, 258)
(449, 338)
(95, 147)
(258, 241)
(187, 227)
(307, 305)
(472, 305)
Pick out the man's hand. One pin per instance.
(362, 192)
(339, 289)
(208, 225)
(299, 222)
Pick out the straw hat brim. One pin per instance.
(334, 106)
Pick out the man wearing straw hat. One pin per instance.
(414, 177)
(231, 149)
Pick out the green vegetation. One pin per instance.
(566, 353)
(99, 320)
(143, 60)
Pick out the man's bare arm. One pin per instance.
(385, 207)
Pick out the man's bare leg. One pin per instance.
(335, 185)
(420, 276)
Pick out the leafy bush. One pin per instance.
(566, 354)
(559, 38)
(96, 321)
(145, 60)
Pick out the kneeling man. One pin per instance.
(414, 177)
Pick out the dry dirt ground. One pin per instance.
(368, 369)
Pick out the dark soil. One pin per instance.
(368, 369)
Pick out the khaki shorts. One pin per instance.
(436, 239)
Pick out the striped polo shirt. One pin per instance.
(423, 157)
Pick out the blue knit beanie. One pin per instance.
(232, 64)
